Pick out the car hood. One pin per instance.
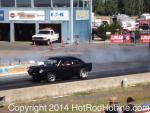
(44, 67)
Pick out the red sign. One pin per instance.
(119, 39)
(145, 39)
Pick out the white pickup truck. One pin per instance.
(45, 35)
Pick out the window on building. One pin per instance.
(7, 3)
(42, 3)
(23, 3)
(78, 3)
(61, 3)
(86, 3)
(75, 3)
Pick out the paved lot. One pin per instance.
(94, 52)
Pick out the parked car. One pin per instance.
(145, 16)
(60, 68)
(45, 35)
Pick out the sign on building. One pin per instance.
(1, 15)
(27, 15)
(82, 14)
(119, 39)
(145, 39)
(59, 15)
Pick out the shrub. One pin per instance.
(113, 28)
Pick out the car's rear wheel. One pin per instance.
(51, 77)
(83, 74)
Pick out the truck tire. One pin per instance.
(48, 42)
(33, 42)
(51, 77)
(83, 73)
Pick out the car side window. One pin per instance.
(66, 63)
(76, 62)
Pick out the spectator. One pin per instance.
(133, 37)
(125, 34)
(113, 103)
(76, 40)
(129, 108)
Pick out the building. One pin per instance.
(20, 19)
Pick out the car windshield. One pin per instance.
(43, 32)
(52, 62)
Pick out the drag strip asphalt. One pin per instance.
(99, 71)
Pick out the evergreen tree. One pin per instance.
(111, 7)
(130, 7)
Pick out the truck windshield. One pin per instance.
(44, 32)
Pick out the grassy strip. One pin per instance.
(141, 93)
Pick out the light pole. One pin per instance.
(91, 10)
(71, 21)
(89, 5)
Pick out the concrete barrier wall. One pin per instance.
(7, 68)
(62, 89)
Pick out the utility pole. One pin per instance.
(91, 9)
(71, 21)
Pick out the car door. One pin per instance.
(76, 66)
(65, 68)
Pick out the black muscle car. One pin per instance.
(60, 68)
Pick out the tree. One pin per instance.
(99, 7)
(121, 6)
(146, 6)
(111, 7)
(105, 7)
(130, 7)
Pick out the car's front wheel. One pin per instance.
(51, 77)
(83, 74)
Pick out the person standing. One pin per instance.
(113, 106)
(130, 107)
(133, 37)
(125, 36)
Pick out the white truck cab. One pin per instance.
(145, 16)
(45, 35)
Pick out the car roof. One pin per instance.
(64, 57)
